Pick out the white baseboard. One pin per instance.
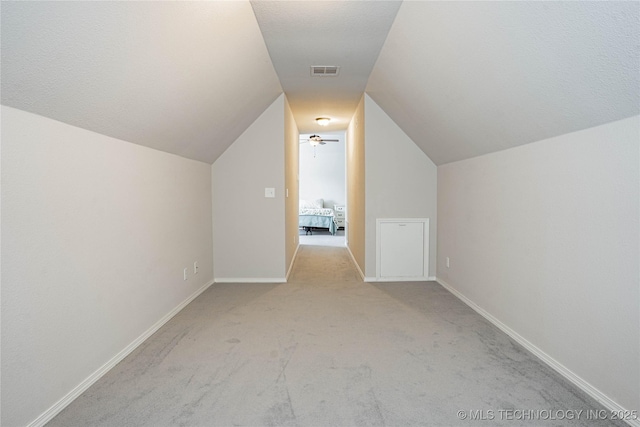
(250, 280)
(293, 260)
(592, 391)
(54, 410)
(356, 264)
(399, 279)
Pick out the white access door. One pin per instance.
(403, 249)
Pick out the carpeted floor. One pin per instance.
(326, 349)
(322, 237)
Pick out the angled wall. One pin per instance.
(249, 229)
(543, 239)
(401, 181)
(96, 233)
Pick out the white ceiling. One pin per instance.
(183, 77)
(467, 78)
(300, 34)
(460, 78)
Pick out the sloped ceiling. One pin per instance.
(460, 78)
(183, 77)
(467, 78)
(301, 34)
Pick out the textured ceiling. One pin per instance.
(183, 77)
(460, 78)
(467, 78)
(300, 34)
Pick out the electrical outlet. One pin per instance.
(185, 274)
(447, 262)
(195, 267)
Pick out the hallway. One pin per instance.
(325, 349)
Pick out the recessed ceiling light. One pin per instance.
(323, 121)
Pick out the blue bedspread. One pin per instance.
(319, 221)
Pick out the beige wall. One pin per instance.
(356, 187)
(544, 238)
(291, 161)
(401, 181)
(96, 233)
(249, 229)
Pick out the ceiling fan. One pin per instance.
(316, 140)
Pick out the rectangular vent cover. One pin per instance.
(324, 70)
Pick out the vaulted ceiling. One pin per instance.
(460, 78)
(183, 77)
(346, 34)
(469, 78)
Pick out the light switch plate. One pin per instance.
(270, 192)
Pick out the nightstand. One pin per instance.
(340, 218)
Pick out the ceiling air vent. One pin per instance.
(324, 70)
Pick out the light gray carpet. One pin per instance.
(326, 349)
(323, 238)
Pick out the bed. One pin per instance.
(314, 214)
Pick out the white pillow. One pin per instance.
(315, 204)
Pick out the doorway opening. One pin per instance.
(322, 189)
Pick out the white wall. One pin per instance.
(249, 229)
(323, 176)
(544, 238)
(95, 235)
(401, 181)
